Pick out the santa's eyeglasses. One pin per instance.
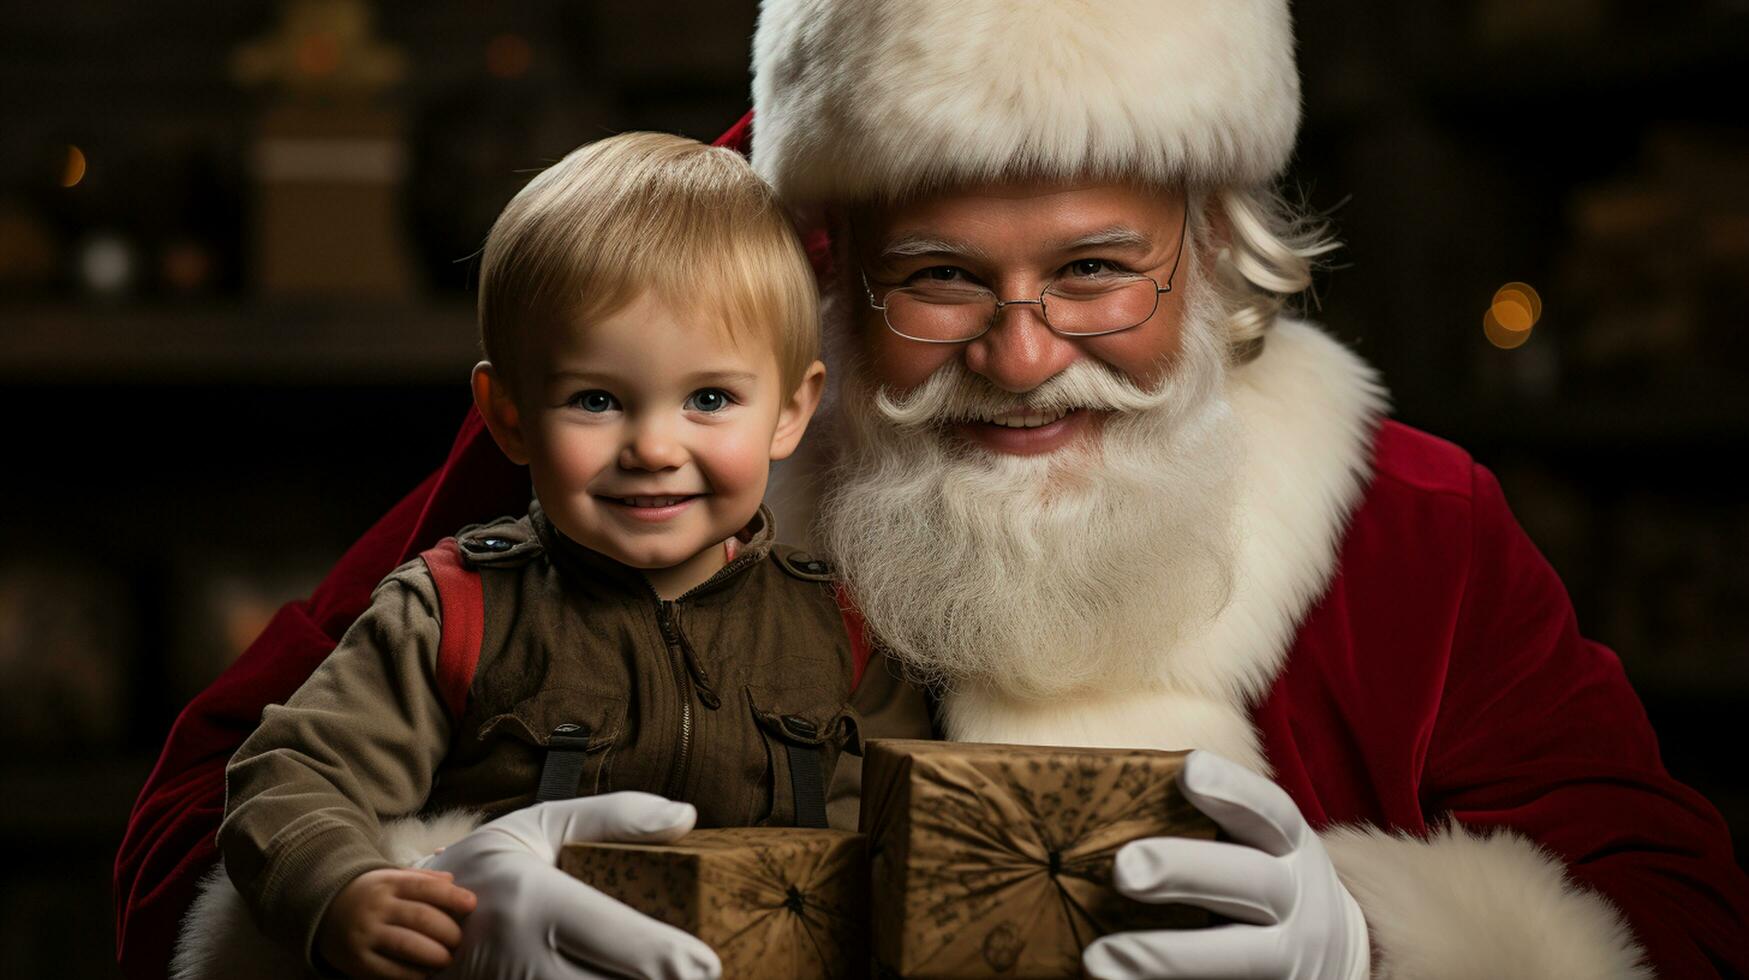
(954, 311)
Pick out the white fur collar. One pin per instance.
(1308, 407)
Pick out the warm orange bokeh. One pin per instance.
(1499, 335)
(1516, 308)
(74, 171)
(1512, 313)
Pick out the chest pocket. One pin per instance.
(558, 743)
(804, 731)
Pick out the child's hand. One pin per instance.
(394, 924)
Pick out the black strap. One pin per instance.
(563, 768)
(807, 784)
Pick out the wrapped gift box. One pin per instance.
(997, 859)
(772, 901)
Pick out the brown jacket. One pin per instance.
(699, 699)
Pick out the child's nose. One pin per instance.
(652, 447)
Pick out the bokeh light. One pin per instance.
(1524, 292)
(106, 264)
(74, 169)
(1515, 309)
(1512, 313)
(1499, 335)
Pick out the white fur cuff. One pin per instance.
(219, 940)
(1460, 905)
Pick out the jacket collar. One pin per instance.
(753, 544)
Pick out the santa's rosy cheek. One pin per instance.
(903, 364)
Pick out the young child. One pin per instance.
(650, 326)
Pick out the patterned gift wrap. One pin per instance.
(772, 902)
(996, 860)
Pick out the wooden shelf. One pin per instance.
(355, 343)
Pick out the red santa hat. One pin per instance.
(859, 99)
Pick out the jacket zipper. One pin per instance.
(671, 636)
(689, 674)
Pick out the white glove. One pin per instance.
(1300, 922)
(535, 921)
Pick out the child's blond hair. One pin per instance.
(644, 212)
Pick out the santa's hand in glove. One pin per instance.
(1292, 917)
(535, 921)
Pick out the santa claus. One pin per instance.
(1091, 485)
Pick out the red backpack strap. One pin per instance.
(858, 630)
(462, 603)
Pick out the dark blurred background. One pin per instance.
(235, 323)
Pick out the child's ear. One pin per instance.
(492, 398)
(792, 418)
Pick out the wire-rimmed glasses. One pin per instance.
(955, 312)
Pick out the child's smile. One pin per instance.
(649, 435)
(654, 509)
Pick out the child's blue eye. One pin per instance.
(708, 400)
(594, 401)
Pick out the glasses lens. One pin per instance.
(940, 312)
(1095, 306)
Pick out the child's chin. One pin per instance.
(650, 560)
(644, 552)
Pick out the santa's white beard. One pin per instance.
(1036, 576)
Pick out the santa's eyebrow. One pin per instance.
(912, 246)
(1115, 236)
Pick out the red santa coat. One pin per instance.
(1449, 680)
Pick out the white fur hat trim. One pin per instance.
(859, 99)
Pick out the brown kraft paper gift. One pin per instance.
(772, 901)
(997, 859)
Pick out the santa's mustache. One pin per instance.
(955, 394)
